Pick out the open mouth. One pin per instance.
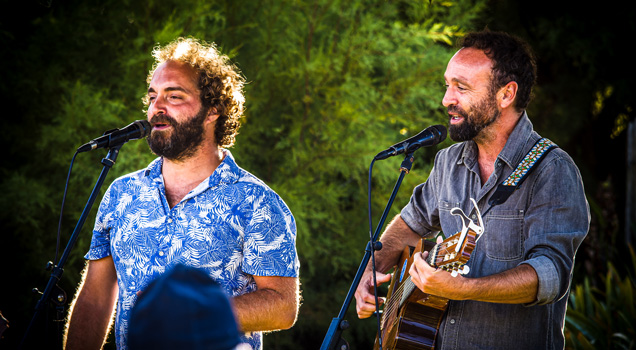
(160, 126)
(454, 119)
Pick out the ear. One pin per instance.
(213, 115)
(507, 94)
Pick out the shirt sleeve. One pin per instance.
(421, 213)
(100, 242)
(557, 222)
(270, 239)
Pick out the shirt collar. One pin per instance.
(227, 172)
(517, 143)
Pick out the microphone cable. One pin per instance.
(59, 224)
(371, 246)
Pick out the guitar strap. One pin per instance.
(525, 167)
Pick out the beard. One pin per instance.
(183, 142)
(484, 113)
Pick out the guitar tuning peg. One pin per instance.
(465, 270)
(454, 273)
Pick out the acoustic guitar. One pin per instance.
(411, 318)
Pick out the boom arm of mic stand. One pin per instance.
(333, 339)
(58, 270)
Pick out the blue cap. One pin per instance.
(183, 309)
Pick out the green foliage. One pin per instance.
(603, 319)
(331, 83)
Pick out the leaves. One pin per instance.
(331, 83)
(603, 319)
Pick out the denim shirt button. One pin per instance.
(452, 321)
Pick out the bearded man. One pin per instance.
(192, 206)
(515, 293)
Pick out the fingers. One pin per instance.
(413, 271)
(382, 278)
(420, 270)
(365, 298)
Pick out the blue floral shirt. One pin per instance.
(232, 225)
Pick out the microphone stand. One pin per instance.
(333, 339)
(53, 293)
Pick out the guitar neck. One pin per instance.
(407, 287)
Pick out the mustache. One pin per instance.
(162, 119)
(454, 109)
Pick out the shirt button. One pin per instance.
(452, 321)
(169, 220)
(160, 253)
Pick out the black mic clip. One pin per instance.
(429, 137)
(117, 137)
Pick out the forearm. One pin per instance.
(515, 286)
(88, 324)
(395, 238)
(91, 313)
(270, 307)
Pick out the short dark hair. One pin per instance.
(513, 60)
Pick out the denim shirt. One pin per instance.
(541, 224)
(232, 226)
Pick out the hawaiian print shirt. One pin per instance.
(232, 225)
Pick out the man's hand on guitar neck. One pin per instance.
(365, 298)
(435, 281)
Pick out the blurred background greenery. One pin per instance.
(331, 83)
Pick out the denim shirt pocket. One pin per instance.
(450, 223)
(504, 234)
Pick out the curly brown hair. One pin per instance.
(220, 82)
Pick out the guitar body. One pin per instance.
(411, 318)
(414, 324)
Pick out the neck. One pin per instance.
(181, 177)
(491, 141)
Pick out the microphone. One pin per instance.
(429, 137)
(116, 137)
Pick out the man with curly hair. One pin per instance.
(514, 294)
(192, 205)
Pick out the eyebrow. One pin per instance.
(460, 80)
(168, 89)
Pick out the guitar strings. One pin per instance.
(409, 285)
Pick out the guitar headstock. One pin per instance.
(453, 253)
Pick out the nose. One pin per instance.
(449, 98)
(157, 106)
